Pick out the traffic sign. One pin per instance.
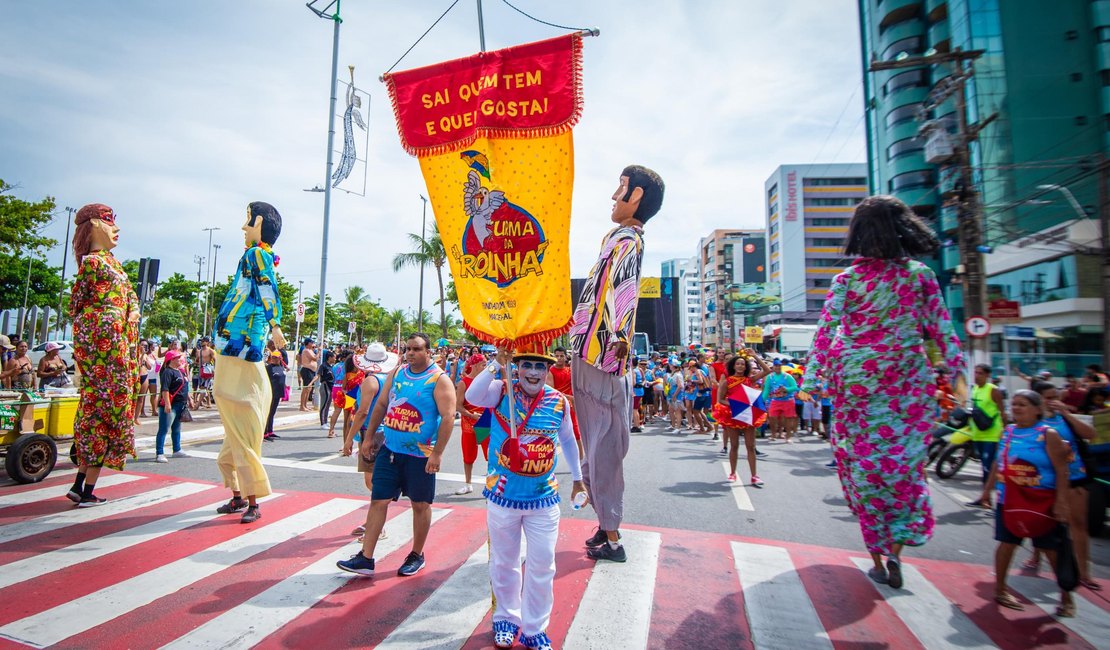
(977, 327)
(300, 312)
(1015, 333)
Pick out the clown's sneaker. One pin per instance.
(504, 634)
(536, 641)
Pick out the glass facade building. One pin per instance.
(1044, 76)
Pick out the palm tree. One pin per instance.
(426, 250)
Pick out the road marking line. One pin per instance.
(82, 614)
(324, 459)
(1090, 621)
(73, 515)
(56, 491)
(208, 434)
(606, 620)
(738, 490)
(920, 605)
(448, 617)
(318, 466)
(37, 565)
(780, 612)
(247, 624)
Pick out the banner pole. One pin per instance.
(481, 28)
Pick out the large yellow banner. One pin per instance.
(493, 135)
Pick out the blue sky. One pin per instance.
(177, 114)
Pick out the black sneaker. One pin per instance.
(252, 515)
(91, 501)
(599, 538)
(716, 436)
(413, 563)
(637, 430)
(760, 454)
(358, 563)
(234, 505)
(74, 496)
(607, 552)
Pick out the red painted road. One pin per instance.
(698, 600)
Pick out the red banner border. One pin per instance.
(487, 132)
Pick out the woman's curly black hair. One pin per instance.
(885, 228)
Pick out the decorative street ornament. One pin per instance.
(351, 117)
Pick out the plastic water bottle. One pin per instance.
(579, 500)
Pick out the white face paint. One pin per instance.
(532, 375)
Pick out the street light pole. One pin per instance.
(423, 245)
(336, 21)
(300, 299)
(62, 291)
(208, 296)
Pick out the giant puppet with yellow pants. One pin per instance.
(493, 136)
(242, 391)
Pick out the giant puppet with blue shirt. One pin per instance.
(249, 316)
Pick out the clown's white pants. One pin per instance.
(525, 602)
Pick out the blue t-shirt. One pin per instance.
(411, 422)
(638, 386)
(1076, 469)
(775, 381)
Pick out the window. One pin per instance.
(826, 241)
(822, 284)
(775, 247)
(902, 114)
(1103, 34)
(815, 305)
(773, 208)
(773, 191)
(1104, 76)
(834, 181)
(911, 180)
(911, 45)
(904, 147)
(846, 201)
(774, 229)
(824, 221)
(907, 79)
(775, 267)
(825, 263)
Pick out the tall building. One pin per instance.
(725, 258)
(808, 208)
(1043, 76)
(689, 296)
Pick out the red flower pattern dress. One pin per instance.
(104, 343)
(879, 320)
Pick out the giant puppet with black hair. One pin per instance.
(250, 310)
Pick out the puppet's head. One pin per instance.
(96, 230)
(263, 224)
(639, 195)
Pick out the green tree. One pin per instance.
(426, 250)
(168, 317)
(44, 288)
(21, 223)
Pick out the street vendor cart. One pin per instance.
(31, 425)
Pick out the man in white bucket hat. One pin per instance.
(377, 363)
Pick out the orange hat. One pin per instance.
(532, 351)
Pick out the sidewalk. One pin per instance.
(206, 425)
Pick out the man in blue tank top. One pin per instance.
(523, 492)
(416, 415)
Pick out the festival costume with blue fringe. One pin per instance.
(534, 485)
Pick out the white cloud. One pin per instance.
(180, 114)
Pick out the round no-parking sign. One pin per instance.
(977, 327)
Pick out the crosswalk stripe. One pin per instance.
(267, 612)
(919, 602)
(318, 465)
(739, 493)
(37, 565)
(58, 491)
(607, 621)
(82, 614)
(780, 612)
(448, 617)
(1091, 622)
(73, 515)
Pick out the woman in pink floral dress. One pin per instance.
(880, 316)
(105, 315)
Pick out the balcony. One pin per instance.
(899, 32)
(938, 36)
(936, 10)
(949, 218)
(896, 11)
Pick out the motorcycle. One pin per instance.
(957, 420)
(958, 448)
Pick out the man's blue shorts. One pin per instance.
(703, 401)
(401, 474)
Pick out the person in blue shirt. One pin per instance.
(780, 388)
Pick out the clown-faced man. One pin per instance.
(522, 491)
(250, 311)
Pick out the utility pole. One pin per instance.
(215, 254)
(423, 247)
(969, 230)
(297, 337)
(208, 296)
(62, 292)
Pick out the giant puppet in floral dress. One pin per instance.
(105, 314)
(881, 317)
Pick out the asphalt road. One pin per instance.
(672, 480)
